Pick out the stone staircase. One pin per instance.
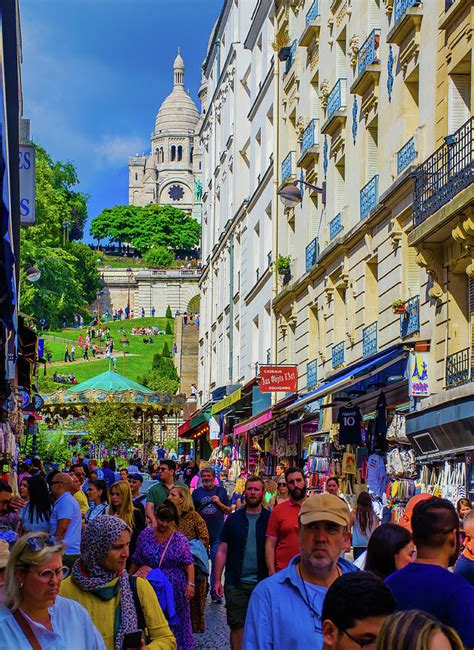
(186, 338)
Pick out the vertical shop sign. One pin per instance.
(419, 374)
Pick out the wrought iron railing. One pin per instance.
(337, 354)
(312, 252)
(313, 12)
(335, 226)
(445, 173)
(337, 98)
(287, 167)
(311, 374)
(458, 368)
(269, 258)
(290, 60)
(406, 154)
(400, 7)
(369, 196)
(310, 136)
(448, 4)
(369, 52)
(410, 320)
(369, 340)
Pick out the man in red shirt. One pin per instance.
(282, 532)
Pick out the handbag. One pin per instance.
(27, 630)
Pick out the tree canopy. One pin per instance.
(69, 276)
(148, 227)
(158, 257)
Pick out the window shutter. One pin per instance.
(372, 151)
(412, 273)
(459, 101)
(374, 15)
(339, 189)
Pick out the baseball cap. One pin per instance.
(136, 476)
(4, 553)
(324, 507)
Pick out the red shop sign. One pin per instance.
(278, 379)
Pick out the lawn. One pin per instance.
(138, 359)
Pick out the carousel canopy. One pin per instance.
(109, 381)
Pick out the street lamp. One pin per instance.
(291, 194)
(33, 274)
(124, 342)
(129, 277)
(66, 225)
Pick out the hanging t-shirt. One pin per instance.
(349, 419)
(376, 475)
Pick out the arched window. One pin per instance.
(180, 152)
(173, 152)
(191, 153)
(162, 155)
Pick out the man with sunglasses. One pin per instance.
(159, 492)
(354, 610)
(66, 519)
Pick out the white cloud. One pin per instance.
(114, 150)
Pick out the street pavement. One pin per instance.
(216, 636)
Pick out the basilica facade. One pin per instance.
(171, 173)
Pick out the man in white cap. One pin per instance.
(285, 610)
(4, 555)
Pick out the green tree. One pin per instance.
(169, 313)
(158, 257)
(166, 350)
(168, 327)
(162, 376)
(110, 424)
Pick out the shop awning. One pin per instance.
(356, 372)
(184, 428)
(226, 402)
(201, 418)
(251, 423)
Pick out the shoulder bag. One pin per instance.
(26, 629)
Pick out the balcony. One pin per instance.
(410, 320)
(407, 16)
(291, 59)
(369, 196)
(458, 368)
(312, 253)
(444, 174)
(406, 155)
(368, 65)
(288, 167)
(369, 340)
(336, 108)
(313, 25)
(337, 355)
(311, 374)
(309, 145)
(335, 226)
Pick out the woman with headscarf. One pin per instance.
(117, 604)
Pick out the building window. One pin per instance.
(136, 176)
(173, 153)
(180, 152)
(191, 154)
(162, 155)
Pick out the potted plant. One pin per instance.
(399, 306)
(283, 264)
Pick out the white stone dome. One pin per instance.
(178, 112)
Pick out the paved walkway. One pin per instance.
(216, 636)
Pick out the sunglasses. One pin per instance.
(37, 544)
(281, 484)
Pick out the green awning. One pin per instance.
(201, 418)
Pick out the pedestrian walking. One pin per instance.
(66, 519)
(465, 565)
(35, 515)
(34, 615)
(73, 352)
(363, 523)
(66, 355)
(282, 494)
(143, 312)
(86, 353)
(242, 553)
(416, 630)
(165, 548)
(185, 318)
(139, 500)
(121, 505)
(212, 503)
(118, 604)
(153, 312)
(354, 610)
(161, 491)
(80, 496)
(426, 583)
(390, 548)
(98, 497)
(285, 610)
(282, 533)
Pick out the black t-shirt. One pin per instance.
(349, 419)
(209, 511)
(189, 473)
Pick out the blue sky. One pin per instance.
(94, 74)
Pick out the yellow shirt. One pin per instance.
(102, 613)
(83, 502)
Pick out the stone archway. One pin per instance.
(194, 304)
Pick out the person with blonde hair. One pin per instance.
(415, 630)
(193, 526)
(121, 504)
(34, 615)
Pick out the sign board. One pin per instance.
(278, 379)
(27, 184)
(214, 429)
(419, 381)
(23, 397)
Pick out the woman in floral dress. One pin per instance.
(165, 548)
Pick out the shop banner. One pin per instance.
(278, 379)
(254, 422)
(419, 374)
(226, 402)
(214, 429)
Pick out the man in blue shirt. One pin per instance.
(465, 565)
(285, 610)
(66, 518)
(426, 584)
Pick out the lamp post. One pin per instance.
(124, 342)
(66, 225)
(99, 332)
(291, 194)
(129, 277)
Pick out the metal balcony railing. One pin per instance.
(444, 174)
(400, 7)
(458, 368)
(310, 136)
(311, 374)
(337, 354)
(369, 52)
(290, 60)
(337, 98)
(410, 320)
(287, 167)
(448, 4)
(335, 226)
(369, 340)
(406, 154)
(369, 196)
(312, 252)
(313, 12)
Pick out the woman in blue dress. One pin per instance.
(37, 511)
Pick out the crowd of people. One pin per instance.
(86, 555)
(64, 379)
